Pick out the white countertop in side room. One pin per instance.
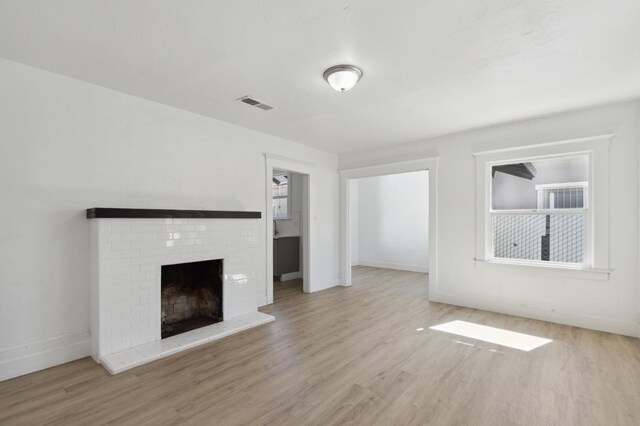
(276, 237)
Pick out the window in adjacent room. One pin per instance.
(280, 195)
(539, 210)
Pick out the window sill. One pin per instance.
(568, 271)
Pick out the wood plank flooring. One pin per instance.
(352, 356)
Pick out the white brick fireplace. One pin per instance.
(127, 256)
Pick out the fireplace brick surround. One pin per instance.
(127, 256)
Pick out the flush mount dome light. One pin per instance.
(342, 77)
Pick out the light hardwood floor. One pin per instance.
(352, 356)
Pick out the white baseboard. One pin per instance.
(291, 276)
(627, 328)
(398, 266)
(35, 356)
(330, 284)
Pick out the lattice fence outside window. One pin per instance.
(554, 237)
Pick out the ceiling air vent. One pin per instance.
(255, 103)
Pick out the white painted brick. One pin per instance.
(157, 243)
(148, 236)
(141, 276)
(142, 244)
(133, 236)
(148, 268)
(120, 228)
(120, 262)
(120, 279)
(131, 253)
(120, 245)
(111, 254)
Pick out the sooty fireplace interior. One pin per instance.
(191, 296)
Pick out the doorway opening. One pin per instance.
(389, 222)
(288, 226)
(289, 191)
(349, 232)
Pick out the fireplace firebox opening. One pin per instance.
(191, 296)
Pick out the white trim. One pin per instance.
(281, 159)
(537, 263)
(541, 212)
(562, 185)
(396, 266)
(569, 270)
(430, 164)
(291, 276)
(389, 168)
(353, 203)
(327, 285)
(305, 168)
(25, 359)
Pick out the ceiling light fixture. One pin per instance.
(342, 77)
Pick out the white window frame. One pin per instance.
(596, 148)
(586, 212)
(288, 196)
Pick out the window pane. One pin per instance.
(552, 238)
(513, 186)
(518, 236)
(566, 235)
(280, 196)
(279, 208)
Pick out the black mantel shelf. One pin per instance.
(118, 213)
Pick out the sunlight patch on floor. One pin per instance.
(511, 339)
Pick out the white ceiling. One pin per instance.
(430, 66)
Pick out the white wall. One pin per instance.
(610, 305)
(393, 221)
(66, 145)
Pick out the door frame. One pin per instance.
(346, 175)
(273, 161)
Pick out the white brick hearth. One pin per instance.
(138, 355)
(127, 255)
